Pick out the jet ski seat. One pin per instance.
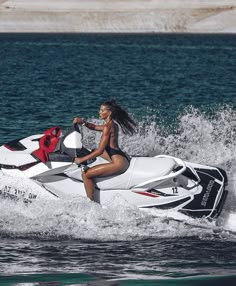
(141, 169)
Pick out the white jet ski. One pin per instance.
(161, 182)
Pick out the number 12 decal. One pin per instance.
(175, 190)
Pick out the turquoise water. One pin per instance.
(181, 91)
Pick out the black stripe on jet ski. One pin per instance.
(169, 205)
(15, 145)
(21, 168)
(50, 191)
(196, 213)
(218, 174)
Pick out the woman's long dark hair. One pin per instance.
(121, 116)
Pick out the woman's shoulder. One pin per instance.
(111, 126)
(108, 126)
(110, 123)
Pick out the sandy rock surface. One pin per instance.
(132, 16)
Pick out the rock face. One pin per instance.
(121, 16)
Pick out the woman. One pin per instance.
(112, 114)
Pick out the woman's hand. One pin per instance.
(78, 120)
(78, 160)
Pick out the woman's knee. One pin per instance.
(86, 175)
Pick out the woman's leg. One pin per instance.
(101, 170)
(88, 184)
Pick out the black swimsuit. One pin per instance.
(112, 151)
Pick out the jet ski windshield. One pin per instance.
(71, 142)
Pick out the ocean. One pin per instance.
(181, 91)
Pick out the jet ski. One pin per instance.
(162, 182)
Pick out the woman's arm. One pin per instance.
(78, 120)
(101, 147)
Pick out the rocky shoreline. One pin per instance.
(118, 16)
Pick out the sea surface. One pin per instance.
(181, 90)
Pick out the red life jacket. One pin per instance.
(47, 143)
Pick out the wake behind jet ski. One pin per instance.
(162, 182)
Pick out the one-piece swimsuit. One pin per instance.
(112, 151)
